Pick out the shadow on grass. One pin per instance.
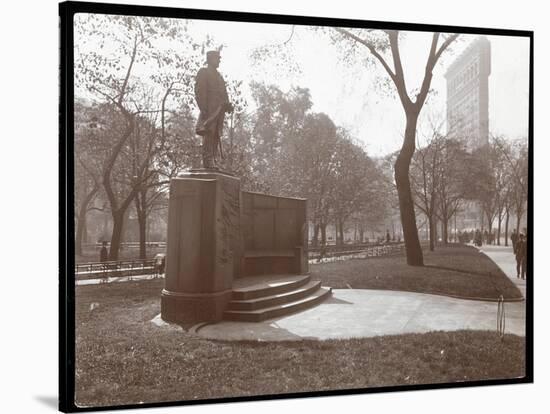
(453, 269)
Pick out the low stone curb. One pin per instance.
(195, 328)
(520, 299)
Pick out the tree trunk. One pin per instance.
(79, 233)
(85, 232)
(482, 221)
(141, 213)
(506, 227)
(490, 229)
(456, 230)
(340, 228)
(406, 204)
(445, 230)
(519, 214)
(431, 226)
(81, 220)
(498, 229)
(315, 240)
(323, 233)
(142, 224)
(105, 223)
(116, 236)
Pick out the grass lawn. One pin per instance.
(122, 358)
(456, 270)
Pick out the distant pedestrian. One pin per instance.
(103, 253)
(514, 238)
(388, 237)
(477, 238)
(160, 263)
(521, 256)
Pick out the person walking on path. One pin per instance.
(521, 256)
(514, 238)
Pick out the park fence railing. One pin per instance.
(121, 268)
(129, 268)
(343, 252)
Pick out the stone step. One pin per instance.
(277, 299)
(259, 315)
(254, 287)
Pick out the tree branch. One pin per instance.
(371, 48)
(399, 75)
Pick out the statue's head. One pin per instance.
(213, 58)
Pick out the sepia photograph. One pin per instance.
(277, 207)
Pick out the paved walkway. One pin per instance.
(367, 313)
(504, 257)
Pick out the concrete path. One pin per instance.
(367, 313)
(505, 259)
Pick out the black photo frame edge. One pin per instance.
(66, 355)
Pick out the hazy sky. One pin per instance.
(348, 92)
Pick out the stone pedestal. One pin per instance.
(203, 246)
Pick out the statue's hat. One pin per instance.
(212, 53)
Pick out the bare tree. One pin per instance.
(453, 182)
(378, 43)
(425, 177)
(515, 162)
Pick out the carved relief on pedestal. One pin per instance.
(228, 221)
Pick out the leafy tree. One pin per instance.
(112, 71)
(356, 184)
(311, 169)
(278, 120)
(87, 167)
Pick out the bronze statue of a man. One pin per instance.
(213, 102)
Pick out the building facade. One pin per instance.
(468, 112)
(468, 94)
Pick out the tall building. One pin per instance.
(468, 111)
(468, 94)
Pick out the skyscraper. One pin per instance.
(468, 94)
